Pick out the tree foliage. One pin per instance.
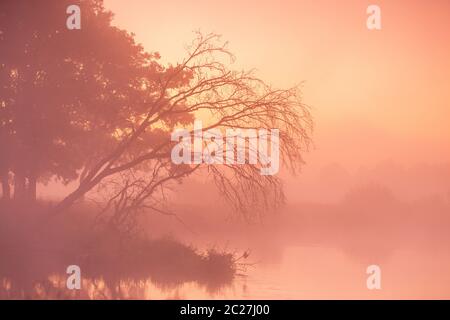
(92, 105)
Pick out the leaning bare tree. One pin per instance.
(138, 167)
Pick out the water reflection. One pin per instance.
(302, 273)
(54, 287)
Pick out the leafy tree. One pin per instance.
(92, 105)
(64, 93)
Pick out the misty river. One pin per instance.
(327, 273)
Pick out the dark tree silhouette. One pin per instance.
(91, 105)
(64, 93)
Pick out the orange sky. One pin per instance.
(375, 95)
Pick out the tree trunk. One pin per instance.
(6, 189)
(32, 189)
(19, 187)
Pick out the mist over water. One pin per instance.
(306, 250)
(87, 178)
(321, 250)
